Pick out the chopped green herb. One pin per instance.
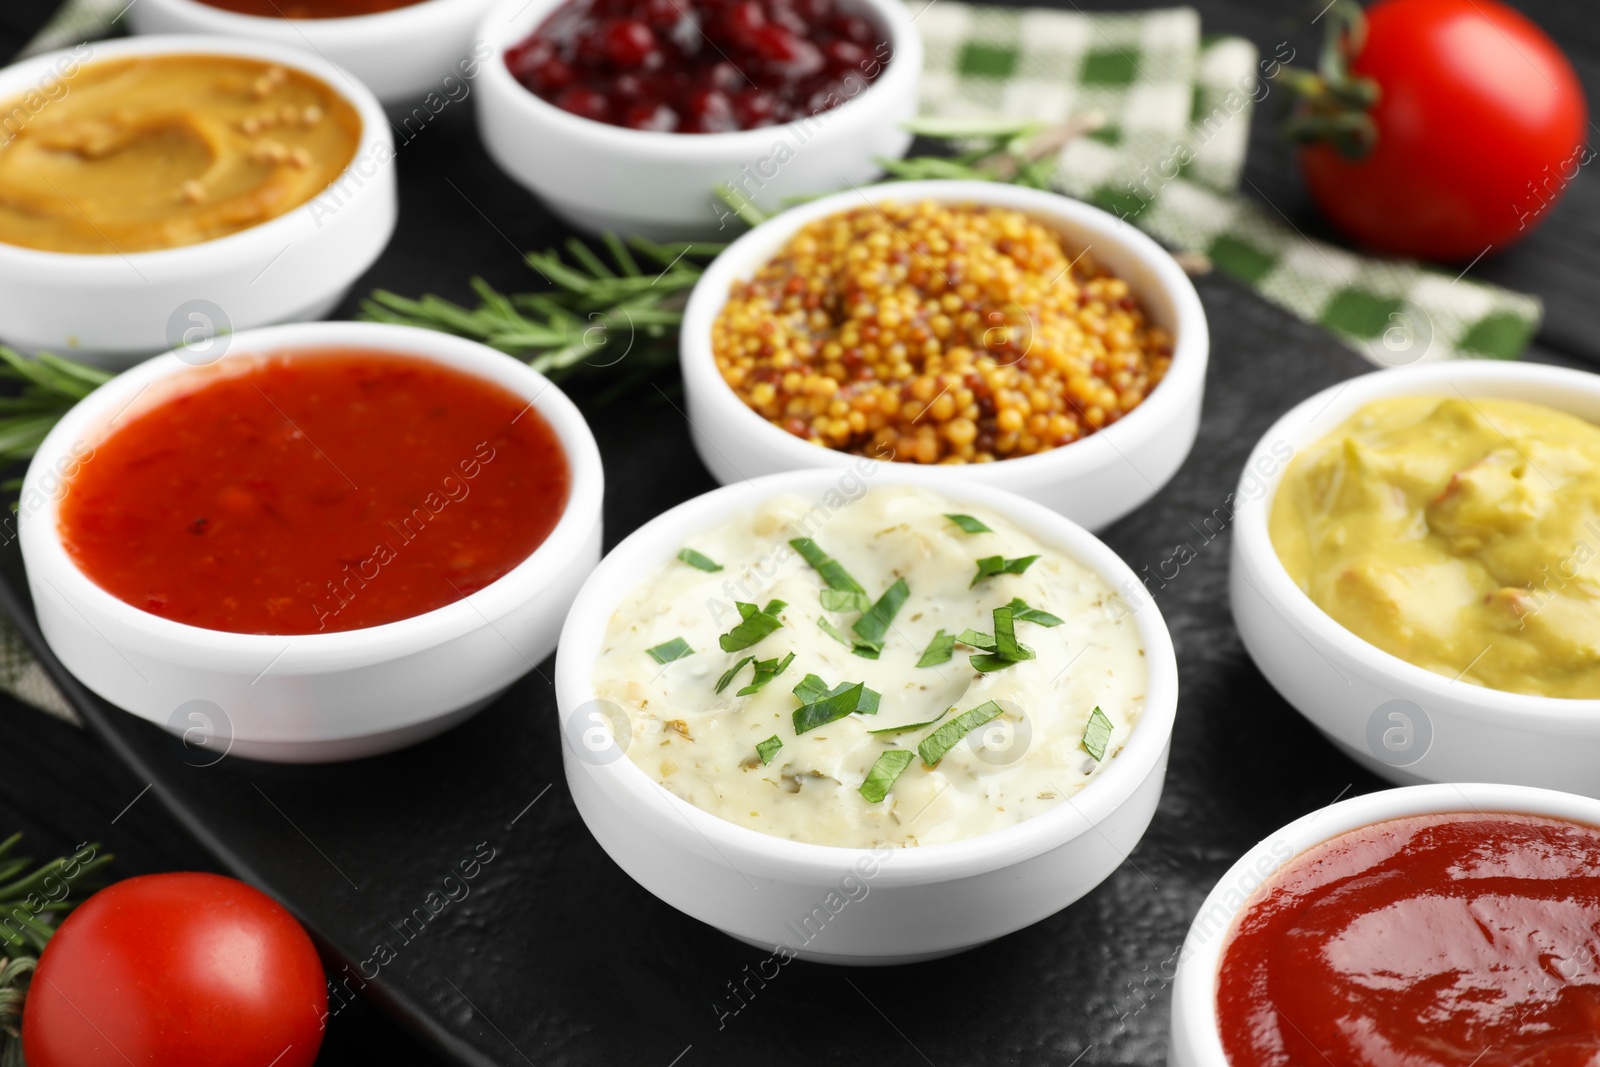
(976, 640)
(1006, 650)
(990, 566)
(1097, 734)
(757, 624)
(860, 648)
(873, 625)
(766, 670)
(811, 689)
(935, 745)
(1005, 637)
(969, 524)
(668, 651)
(828, 709)
(939, 650)
(728, 675)
(912, 725)
(768, 748)
(882, 777)
(841, 601)
(819, 705)
(834, 576)
(1022, 613)
(695, 559)
(834, 632)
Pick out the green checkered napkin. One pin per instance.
(1176, 111)
(1171, 101)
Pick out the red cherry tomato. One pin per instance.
(176, 970)
(1481, 125)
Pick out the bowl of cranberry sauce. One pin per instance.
(1434, 926)
(699, 68)
(337, 539)
(624, 115)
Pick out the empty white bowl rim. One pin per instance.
(1253, 538)
(87, 421)
(280, 228)
(393, 20)
(501, 30)
(630, 563)
(1195, 998)
(1184, 378)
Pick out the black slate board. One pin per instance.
(555, 956)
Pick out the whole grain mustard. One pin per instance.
(937, 333)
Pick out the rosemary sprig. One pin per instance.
(599, 311)
(50, 385)
(33, 904)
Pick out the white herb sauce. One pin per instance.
(701, 744)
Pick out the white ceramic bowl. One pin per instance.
(112, 309)
(311, 697)
(403, 56)
(1094, 481)
(659, 185)
(918, 903)
(1398, 720)
(1196, 1040)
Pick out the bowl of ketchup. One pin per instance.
(334, 540)
(1428, 926)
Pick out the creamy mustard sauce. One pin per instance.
(1459, 535)
(701, 744)
(153, 152)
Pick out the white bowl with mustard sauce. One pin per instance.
(161, 191)
(1412, 569)
(1095, 478)
(843, 716)
(414, 57)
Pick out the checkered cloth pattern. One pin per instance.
(1168, 156)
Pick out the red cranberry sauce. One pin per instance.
(699, 66)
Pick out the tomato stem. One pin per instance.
(1332, 105)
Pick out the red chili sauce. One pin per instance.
(329, 490)
(309, 9)
(1434, 940)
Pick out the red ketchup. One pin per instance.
(699, 66)
(326, 491)
(1432, 941)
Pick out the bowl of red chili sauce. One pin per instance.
(336, 539)
(417, 56)
(1429, 926)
